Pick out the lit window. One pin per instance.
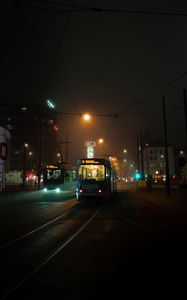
(24, 108)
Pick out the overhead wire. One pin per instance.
(115, 10)
(43, 48)
(48, 9)
(52, 66)
(81, 8)
(157, 90)
(78, 8)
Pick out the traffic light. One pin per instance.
(137, 176)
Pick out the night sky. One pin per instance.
(108, 62)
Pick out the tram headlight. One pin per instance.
(45, 190)
(57, 190)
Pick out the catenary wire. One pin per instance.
(45, 52)
(114, 11)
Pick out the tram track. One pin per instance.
(39, 228)
(44, 258)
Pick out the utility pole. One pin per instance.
(138, 153)
(166, 148)
(40, 149)
(185, 113)
(25, 146)
(66, 142)
(141, 156)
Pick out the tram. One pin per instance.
(95, 178)
(59, 178)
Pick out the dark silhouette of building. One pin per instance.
(35, 125)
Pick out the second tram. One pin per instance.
(60, 178)
(96, 177)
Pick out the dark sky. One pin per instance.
(107, 62)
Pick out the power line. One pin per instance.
(115, 115)
(61, 11)
(45, 51)
(59, 3)
(157, 90)
(79, 8)
(52, 67)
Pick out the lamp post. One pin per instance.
(25, 146)
(147, 159)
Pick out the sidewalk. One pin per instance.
(176, 200)
(19, 188)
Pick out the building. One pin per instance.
(4, 155)
(154, 161)
(33, 130)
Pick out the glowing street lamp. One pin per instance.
(86, 117)
(101, 141)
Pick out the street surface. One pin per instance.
(53, 247)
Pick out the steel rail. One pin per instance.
(45, 225)
(50, 256)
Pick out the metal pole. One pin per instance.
(147, 161)
(138, 153)
(141, 155)
(24, 167)
(185, 112)
(166, 148)
(66, 148)
(40, 150)
(66, 143)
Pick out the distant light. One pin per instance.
(99, 191)
(57, 190)
(101, 141)
(55, 128)
(86, 117)
(45, 190)
(50, 104)
(137, 176)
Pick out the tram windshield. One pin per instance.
(92, 172)
(53, 174)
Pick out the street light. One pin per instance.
(101, 141)
(86, 117)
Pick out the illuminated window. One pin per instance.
(88, 172)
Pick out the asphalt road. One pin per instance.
(133, 246)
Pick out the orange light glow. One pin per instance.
(86, 117)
